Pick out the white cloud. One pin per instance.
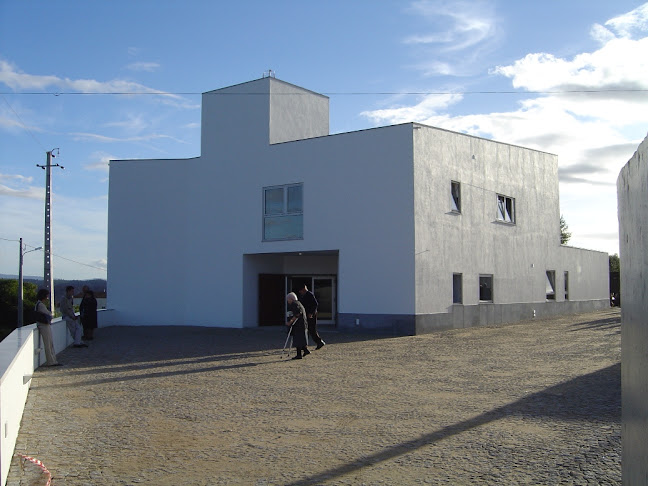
(143, 66)
(631, 23)
(19, 81)
(619, 64)
(132, 123)
(79, 234)
(468, 23)
(428, 107)
(469, 28)
(585, 116)
(16, 177)
(15, 125)
(99, 161)
(19, 186)
(587, 109)
(29, 193)
(95, 137)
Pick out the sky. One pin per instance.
(122, 79)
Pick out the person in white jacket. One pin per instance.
(45, 328)
(71, 319)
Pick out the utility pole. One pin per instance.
(20, 282)
(48, 276)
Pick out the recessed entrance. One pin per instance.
(272, 296)
(268, 277)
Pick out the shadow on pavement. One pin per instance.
(594, 397)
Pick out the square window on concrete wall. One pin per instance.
(486, 288)
(283, 216)
(505, 209)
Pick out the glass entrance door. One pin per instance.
(323, 286)
(324, 290)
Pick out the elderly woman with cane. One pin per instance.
(297, 324)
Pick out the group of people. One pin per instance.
(303, 311)
(81, 327)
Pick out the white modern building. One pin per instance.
(401, 229)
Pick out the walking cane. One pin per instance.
(286, 343)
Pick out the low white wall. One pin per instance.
(20, 354)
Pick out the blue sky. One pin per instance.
(569, 76)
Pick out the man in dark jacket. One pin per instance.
(309, 302)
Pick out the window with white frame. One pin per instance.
(486, 288)
(455, 196)
(505, 209)
(283, 213)
(551, 285)
(457, 290)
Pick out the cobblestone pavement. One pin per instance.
(531, 403)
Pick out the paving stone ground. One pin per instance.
(537, 402)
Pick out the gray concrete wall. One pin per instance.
(632, 191)
(473, 242)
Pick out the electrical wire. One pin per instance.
(57, 256)
(332, 93)
(23, 125)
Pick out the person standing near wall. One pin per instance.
(45, 328)
(308, 300)
(88, 312)
(71, 320)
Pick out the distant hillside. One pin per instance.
(97, 285)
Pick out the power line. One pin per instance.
(331, 93)
(23, 123)
(78, 263)
(58, 256)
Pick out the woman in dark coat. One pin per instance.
(88, 311)
(298, 323)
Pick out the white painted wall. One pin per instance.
(20, 354)
(632, 190)
(148, 239)
(177, 225)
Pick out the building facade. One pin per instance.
(401, 229)
(632, 192)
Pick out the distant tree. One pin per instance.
(615, 263)
(564, 234)
(9, 303)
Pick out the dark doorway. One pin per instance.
(272, 300)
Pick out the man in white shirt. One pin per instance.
(71, 319)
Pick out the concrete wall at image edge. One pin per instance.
(471, 241)
(632, 191)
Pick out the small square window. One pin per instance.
(505, 209)
(455, 196)
(486, 288)
(457, 288)
(551, 285)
